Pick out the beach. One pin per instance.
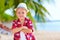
(40, 35)
(47, 35)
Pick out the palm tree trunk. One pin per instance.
(4, 27)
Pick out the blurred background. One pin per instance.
(45, 15)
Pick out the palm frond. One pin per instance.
(39, 9)
(31, 18)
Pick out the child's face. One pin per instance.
(21, 13)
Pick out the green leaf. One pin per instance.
(31, 18)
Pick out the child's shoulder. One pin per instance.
(27, 19)
(15, 20)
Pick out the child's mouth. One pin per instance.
(21, 16)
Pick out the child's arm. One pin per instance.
(16, 30)
(24, 29)
(27, 30)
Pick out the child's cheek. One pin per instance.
(25, 15)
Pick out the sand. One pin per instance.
(40, 35)
(47, 35)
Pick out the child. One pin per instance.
(22, 25)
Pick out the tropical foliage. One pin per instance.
(39, 9)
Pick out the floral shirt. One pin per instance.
(28, 24)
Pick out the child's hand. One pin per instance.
(24, 27)
(16, 30)
(26, 30)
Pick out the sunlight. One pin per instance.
(54, 10)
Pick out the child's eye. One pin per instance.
(18, 12)
(22, 12)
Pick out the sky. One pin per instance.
(53, 9)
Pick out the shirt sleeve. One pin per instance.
(14, 24)
(30, 25)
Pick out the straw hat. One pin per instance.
(22, 5)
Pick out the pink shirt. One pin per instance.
(28, 24)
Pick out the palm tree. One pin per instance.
(36, 6)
